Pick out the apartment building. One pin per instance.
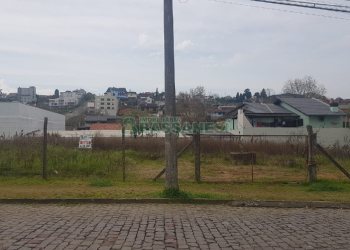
(106, 104)
(26, 95)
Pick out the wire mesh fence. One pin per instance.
(257, 158)
(276, 158)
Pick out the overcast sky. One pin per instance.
(90, 44)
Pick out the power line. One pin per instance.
(280, 10)
(310, 5)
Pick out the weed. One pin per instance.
(101, 183)
(182, 195)
(326, 186)
(175, 194)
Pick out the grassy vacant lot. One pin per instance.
(278, 175)
(109, 188)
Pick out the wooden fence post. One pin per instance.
(311, 164)
(197, 155)
(252, 162)
(123, 152)
(44, 170)
(178, 156)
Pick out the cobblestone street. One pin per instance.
(138, 226)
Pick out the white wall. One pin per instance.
(242, 121)
(325, 136)
(332, 136)
(20, 118)
(106, 133)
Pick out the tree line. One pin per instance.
(303, 87)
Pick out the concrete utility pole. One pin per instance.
(171, 172)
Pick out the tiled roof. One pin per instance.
(105, 126)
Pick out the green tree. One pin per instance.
(57, 93)
(263, 93)
(247, 94)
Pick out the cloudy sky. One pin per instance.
(90, 44)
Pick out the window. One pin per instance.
(108, 108)
(300, 122)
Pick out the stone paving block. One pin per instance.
(147, 226)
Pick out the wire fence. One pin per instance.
(222, 158)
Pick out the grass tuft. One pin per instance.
(101, 183)
(326, 186)
(175, 194)
(182, 195)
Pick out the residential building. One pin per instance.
(19, 119)
(262, 115)
(90, 119)
(106, 104)
(346, 108)
(220, 112)
(132, 95)
(132, 99)
(313, 112)
(289, 117)
(119, 93)
(287, 112)
(90, 107)
(68, 98)
(26, 95)
(145, 98)
(159, 99)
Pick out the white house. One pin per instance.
(67, 98)
(289, 117)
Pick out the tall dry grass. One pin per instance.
(22, 155)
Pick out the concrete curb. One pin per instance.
(290, 204)
(232, 203)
